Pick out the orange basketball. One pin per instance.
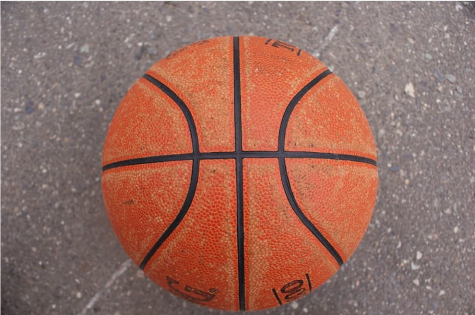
(239, 173)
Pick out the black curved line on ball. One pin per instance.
(283, 167)
(194, 171)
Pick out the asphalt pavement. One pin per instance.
(66, 66)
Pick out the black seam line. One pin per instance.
(239, 174)
(244, 154)
(283, 168)
(329, 156)
(149, 159)
(194, 172)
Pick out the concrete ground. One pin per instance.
(66, 67)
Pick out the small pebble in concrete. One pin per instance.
(438, 75)
(18, 126)
(77, 60)
(450, 78)
(84, 48)
(409, 89)
(140, 51)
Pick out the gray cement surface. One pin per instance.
(66, 67)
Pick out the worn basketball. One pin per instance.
(239, 173)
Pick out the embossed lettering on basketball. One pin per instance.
(239, 173)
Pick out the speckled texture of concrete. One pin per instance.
(66, 66)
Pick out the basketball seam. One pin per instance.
(239, 174)
(244, 154)
(194, 170)
(283, 168)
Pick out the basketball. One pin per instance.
(239, 173)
